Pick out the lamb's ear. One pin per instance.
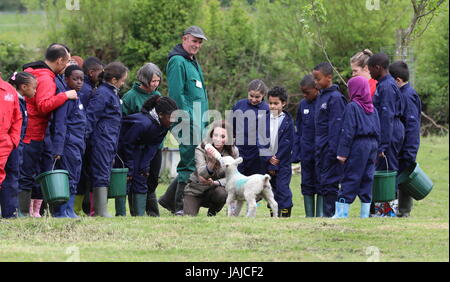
(238, 160)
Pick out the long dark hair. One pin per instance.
(228, 148)
(115, 70)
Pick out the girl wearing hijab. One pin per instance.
(357, 149)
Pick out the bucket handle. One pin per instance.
(387, 165)
(54, 163)
(123, 164)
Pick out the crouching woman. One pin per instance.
(206, 185)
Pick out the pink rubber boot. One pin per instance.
(91, 204)
(31, 208)
(37, 208)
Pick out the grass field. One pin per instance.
(422, 237)
(28, 29)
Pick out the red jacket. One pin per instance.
(11, 123)
(39, 107)
(373, 86)
(10, 114)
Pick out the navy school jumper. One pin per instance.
(283, 152)
(358, 141)
(86, 91)
(68, 139)
(10, 186)
(304, 146)
(390, 105)
(102, 132)
(411, 121)
(140, 138)
(248, 151)
(330, 107)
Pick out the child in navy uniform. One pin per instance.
(245, 130)
(92, 68)
(390, 105)
(104, 116)
(25, 84)
(304, 147)
(140, 137)
(407, 157)
(68, 143)
(357, 150)
(330, 107)
(277, 160)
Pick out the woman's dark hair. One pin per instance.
(20, 78)
(70, 69)
(308, 81)
(162, 105)
(399, 69)
(257, 85)
(225, 125)
(115, 70)
(279, 92)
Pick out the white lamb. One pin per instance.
(246, 188)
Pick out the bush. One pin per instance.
(12, 57)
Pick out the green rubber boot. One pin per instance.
(101, 201)
(319, 206)
(139, 204)
(309, 205)
(121, 206)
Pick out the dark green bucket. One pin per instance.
(415, 182)
(55, 186)
(383, 189)
(118, 183)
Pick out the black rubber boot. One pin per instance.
(405, 204)
(152, 208)
(179, 198)
(319, 206)
(309, 205)
(167, 200)
(24, 203)
(329, 205)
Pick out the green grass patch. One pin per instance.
(422, 237)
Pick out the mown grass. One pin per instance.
(422, 237)
(23, 28)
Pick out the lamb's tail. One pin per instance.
(266, 180)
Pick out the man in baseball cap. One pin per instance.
(196, 32)
(186, 85)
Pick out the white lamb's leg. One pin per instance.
(229, 202)
(251, 205)
(270, 198)
(239, 204)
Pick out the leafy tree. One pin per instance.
(12, 58)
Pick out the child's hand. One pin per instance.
(272, 172)
(274, 161)
(341, 159)
(57, 157)
(72, 95)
